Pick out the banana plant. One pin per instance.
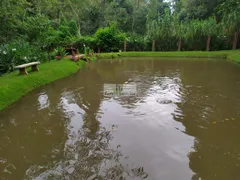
(209, 29)
(231, 13)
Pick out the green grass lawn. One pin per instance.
(233, 55)
(14, 86)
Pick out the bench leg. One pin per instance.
(23, 71)
(35, 68)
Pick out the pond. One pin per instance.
(181, 121)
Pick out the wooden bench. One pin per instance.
(22, 68)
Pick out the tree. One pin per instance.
(138, 13)
(162, 30)
(110, 38)
(119, 13)
(179, 33)
(75, 11)
(209, 28)
(231, 13)
(92, 18)
(197, 9)
(12, 14)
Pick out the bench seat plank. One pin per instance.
(27, 65)
(22, 68)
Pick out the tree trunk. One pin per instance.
(78, 20)
(79, 28)
(153, 45)
(180, 44)
(99, 50)
(208, 43)
(125, 46)
(235, 40)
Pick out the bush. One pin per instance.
(17, 53)
(68, 29)
(138, 43)
(79, 42)
(36, 28)
(110, 39)
(5, 59)
(59, 51)
(221, 42)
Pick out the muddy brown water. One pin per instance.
(182, 123)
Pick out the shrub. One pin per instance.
(18, 52)
(68, 29)
(138, 43)
(59, 51)
(36, 28)
(110, 38)
(79, 42)
(5, 59)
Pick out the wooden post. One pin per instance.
(179, 44)
(208, 43)
(153, 45)
(235, 40)
(125, 46)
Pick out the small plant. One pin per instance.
(58, 53)
(61, 51)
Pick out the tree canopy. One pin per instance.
(47, 24)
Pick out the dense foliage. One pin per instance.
(109, 38)
(34, 30)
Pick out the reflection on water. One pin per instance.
(43, 101)
(183, 123)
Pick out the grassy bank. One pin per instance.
(233, 55)
(13, 86)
